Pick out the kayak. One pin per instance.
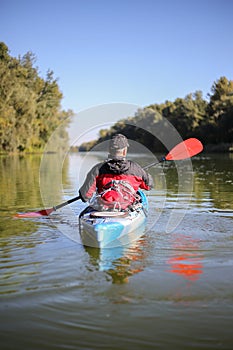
(108, 229)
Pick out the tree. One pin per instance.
(220, 110)
(192, 116)
(30, 106)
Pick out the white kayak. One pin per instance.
(108, 229)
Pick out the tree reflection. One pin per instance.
(20, 190)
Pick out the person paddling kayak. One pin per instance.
(116, 180)
(183, 150)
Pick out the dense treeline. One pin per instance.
(211, 121)
(30, 107)
(30, 110)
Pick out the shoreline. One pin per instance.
(209, 148)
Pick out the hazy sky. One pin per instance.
(129, 51)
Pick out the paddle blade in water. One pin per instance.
(45, 212)
(185, 149)
(35, 214)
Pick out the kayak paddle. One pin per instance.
(185, 149)
(45, 212)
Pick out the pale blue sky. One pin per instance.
(129, 51)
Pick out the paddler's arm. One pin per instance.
(89, 186)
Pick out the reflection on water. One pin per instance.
(187, 259)
(121, 262)
(213, 180)
(20, 185)
(19, 182)
(187, 265)
(57, 294)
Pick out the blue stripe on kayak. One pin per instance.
(108, 232)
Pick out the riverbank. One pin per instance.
(219, 148)
(210, 148)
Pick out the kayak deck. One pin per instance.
(112, 229)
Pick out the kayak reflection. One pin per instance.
(187, 261)
(120, 262)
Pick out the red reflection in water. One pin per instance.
(186, 264)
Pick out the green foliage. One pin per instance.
(29, 105)
(220, 110)
(211, 121)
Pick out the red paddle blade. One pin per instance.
(185, 149)
(35, 214)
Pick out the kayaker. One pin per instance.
(115, 180)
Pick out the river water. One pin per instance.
(171, 289)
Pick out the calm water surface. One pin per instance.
(171, 289)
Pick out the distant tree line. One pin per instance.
(30, 108)
(193, 116)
